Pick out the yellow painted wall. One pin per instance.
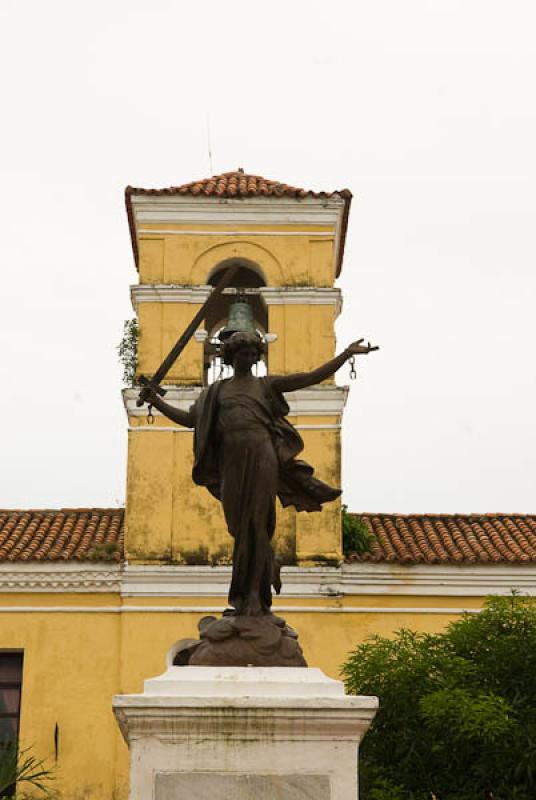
(169, 519)
(285, 260)
(75, 662)
(306, 337)
(70, 671)
(160, 327)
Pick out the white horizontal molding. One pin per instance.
(279, 609)
(231, 232)
(205, 581)
(302, 296)
(166, 293)
(272, 295)
(317, 401)
(346, 580)
(182, 397)
(470, 580)
(185, 209)
(32, 576)
(178, 429)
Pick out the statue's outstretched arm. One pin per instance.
(300, 380)
(177, 415)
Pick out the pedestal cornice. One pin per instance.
(244, 704)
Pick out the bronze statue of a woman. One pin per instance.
(246, 455)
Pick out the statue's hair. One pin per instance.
(241, 339)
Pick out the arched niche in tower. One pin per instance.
(251, 254)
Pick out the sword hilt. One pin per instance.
(146, 390)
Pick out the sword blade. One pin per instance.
(185, 337)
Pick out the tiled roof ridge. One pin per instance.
(237, 183)
(442, 538)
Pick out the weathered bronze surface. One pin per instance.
(242, 641)
(246, 455)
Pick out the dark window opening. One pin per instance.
(10, 693)
(10, 687)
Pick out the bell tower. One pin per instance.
(288, 244)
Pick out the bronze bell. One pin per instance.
(240, 318)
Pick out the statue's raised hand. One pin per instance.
(357, 348)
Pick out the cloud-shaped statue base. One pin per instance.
(242, 641)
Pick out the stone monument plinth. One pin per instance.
(243, 733)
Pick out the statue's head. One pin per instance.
(243, 344)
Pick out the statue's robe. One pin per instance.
(297, 485)
(245, 454)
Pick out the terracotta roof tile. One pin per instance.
(238, 184)
(450, 538)
(81, 534)
(93, 534)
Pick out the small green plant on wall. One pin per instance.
(356, 536)
(128, 350)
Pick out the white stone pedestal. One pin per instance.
(243, 733)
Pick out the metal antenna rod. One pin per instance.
(209, 145)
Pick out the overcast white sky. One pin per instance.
(425, 110)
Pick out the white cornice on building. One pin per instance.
(192, 581)
(32, 576)
(347, 580)
(167, 293)
(179, 396)
(272, 295)
(302, 296)
(184, 210)
(445, 611)
(233, 233)
(470, 580)
(318, 401)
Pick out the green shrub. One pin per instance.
(128, 350)
(457, 717)
(356, 537)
